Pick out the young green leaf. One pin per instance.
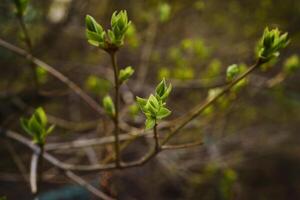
(150, 123)
(40, 116)
(94, 32)
(36, 126)
(119, 25)
(154, 107)
(162, 91)
(163, 112)
(125, 74)
(232, 72)
(109, 106)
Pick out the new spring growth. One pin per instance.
(114, 38)
(119, 26)
(21, 6)
(271, 43)
(37, 126)
(232, 72)
(154, 107)
(109, 106)
(125, 74)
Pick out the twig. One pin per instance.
(94, 141)
(156, 137)
(146, 53)
(91, 102)
(29, 47)
(117, 99)
(182, 146)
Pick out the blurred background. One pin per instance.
(251, 139)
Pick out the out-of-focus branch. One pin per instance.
(55, 162)
(74, 87)
(182, 146)
(146, 53)
(29, 47)
(94, 142)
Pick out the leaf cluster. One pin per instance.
(271, 43)
(37, 126)
(154, 107)
(112, 38)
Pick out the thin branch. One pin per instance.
(91, 102)
(117, 102)
(146, 53)
(156, 137)
(29, 47)
(182, 146)
(81, 143)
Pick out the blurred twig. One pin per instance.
(91, 102)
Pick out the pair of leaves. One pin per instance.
(271, 43)
(97, 36)
(125, 74)
(154, 107)
(36, 126)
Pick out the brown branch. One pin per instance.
(182, 146)
(146, 53)
(117, 103)
(91, 102)
(156, 137)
